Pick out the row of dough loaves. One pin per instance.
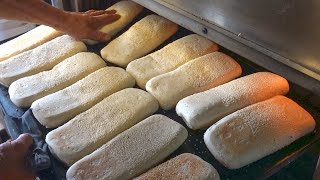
(250, 118)
(25, 91)
(132, 152)
(27, 41)
(244, 113)
(41, 58)
(34, 79)
(56, 78)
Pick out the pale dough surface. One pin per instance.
(170, 57)
(132, 152)
(25, 91)
(256, 131)
(128, 10)
(57, 108)
(41, 58)
(203, 109)
(198, 75)
(184, 167)
(27, 41)
(138, 40)
(91, 129)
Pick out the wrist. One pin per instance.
(59, 19)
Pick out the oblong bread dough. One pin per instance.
(185, 166)
(128, 10)
(139, 40)
(25, 91)
(198, 75)
(132, 152)
(91, 129)
(41, 58)
(27, 41)
(203, 109)
(169, 58)
(58, 108)
(256, 131)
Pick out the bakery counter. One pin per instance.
(282, 164)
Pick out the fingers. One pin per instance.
(89, 11)
(107, 19)
(22, 143)
(99, 12)
(110, 11)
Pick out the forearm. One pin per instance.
(79, 25)
(35, 11)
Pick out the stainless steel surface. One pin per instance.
(2, 125)
(316, 175)
(284, 42)
(9, 28)
(57, 3)
(79, 5)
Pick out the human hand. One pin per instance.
(12, 159)
(86, 25)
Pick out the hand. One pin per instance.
(86, 25)
(12, 159)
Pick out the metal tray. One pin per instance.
(261, 169)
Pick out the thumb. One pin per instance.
(99, 36)
(22, 143)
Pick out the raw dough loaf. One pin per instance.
(256, 131)
(96, 126)
(139, 40)
(41, 58)
(198, 75)
(169, 58)
(58, 108)
(203, 109)
(27, 41)
(25, 91)
(185, 167)
(128, 10)
(132, 152)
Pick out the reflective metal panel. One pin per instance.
(286, 46)
(289, 28)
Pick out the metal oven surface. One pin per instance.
(281, 36)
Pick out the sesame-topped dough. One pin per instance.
(138, 40)
(256, 131)
(185, 167)
(96, 126)
(132, 152)
(170, 57)
(25, 91)
(58, 108)
(41, 58)
(27, 41)
(198, 75)
(203, 109)
(128, 10)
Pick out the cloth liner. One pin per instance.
(18, 122)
